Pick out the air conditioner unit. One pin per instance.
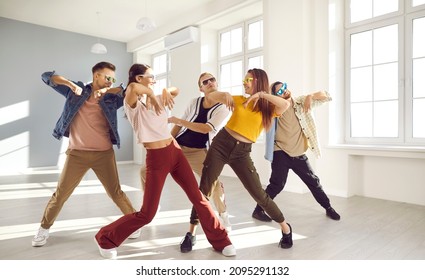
(181, 37)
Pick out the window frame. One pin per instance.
(409, 73)
(164, 75)
(404, 19)
(242, 56)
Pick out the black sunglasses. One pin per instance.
(205, 82)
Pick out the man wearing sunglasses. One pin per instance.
(89, 120)
(286, 144)
(194, 132)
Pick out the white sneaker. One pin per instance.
(107, 253)
(229, 251)
(135, 234)
(40, 238)
(224, 219)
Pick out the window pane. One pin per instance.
(385, 85)
(237, 73)
(385, 44)
(160, 64)
(419, 37)
(361, 49)
(418, 78)
(418, 118)
(360, 10)
(236, 39)
(382, 7)
(361, 116)
(385, 118)
(159, 85)
(225, 44)
(255, 62)
(231, 77)
(225, 75)
(361, 84)
(255, 35)
(417, 2)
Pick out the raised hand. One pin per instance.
(98, 93)
(75, 89)
(153, 104)
(254, 98)
(167, 99)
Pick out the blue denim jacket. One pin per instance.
(109, 104)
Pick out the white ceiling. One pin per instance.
(116, 19)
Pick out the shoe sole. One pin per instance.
(232, 253)
(335, 219)
(39, 244)
(185, 250)
(113, 257)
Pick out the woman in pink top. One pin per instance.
(149, 119)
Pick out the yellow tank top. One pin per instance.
(245, 121)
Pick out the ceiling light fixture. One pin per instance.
(145, 24)
(98, 48)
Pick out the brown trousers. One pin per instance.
(76, 166)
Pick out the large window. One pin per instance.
(386, 60)
(240, 49)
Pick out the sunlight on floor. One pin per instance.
(87, 224)
(245, 234)
(46, 189)
(241, 238)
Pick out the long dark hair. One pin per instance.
(261, 83)
(136, 70)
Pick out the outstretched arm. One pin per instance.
(59, 80)
(194, 126)
(115, 90)
(134, 90)
(281, 104)
(224, 98)
(315, 96)
(175, 130)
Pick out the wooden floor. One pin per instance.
(370, 229)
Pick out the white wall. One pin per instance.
(186, 77)
(29, 109)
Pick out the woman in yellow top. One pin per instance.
(232, 145)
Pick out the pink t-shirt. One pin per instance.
(89, 130)
(147, 125)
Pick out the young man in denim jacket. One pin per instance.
(89, 120)
(286, 144)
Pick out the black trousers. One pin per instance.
(281, 165)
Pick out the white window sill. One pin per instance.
(384, 151)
